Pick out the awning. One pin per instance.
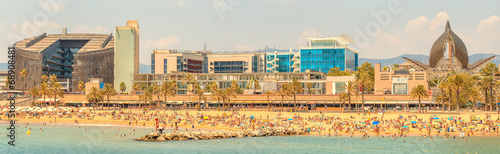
(47, 100)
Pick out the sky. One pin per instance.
(380, 29)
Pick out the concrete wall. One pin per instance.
(125, 56)
(383, 79)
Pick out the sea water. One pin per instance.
(58, 138)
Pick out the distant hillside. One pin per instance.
(424, 59)
(144, 69)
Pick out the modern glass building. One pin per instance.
(321, 54)
(282, 62)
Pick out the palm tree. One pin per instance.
(108, 91)
(34, 92)
(168, 89)
(268, 94)
(231, 92)
(458, 81)
(485, 84)
(123, 87)
(254, 84)
(473, 95)
(45, 78)
(364, 80)
(295, 88)
(284, 91)
(147, 96)
(344, 96)
(7, 82)
(136, 86)
(81, 86)
(157, 91)
(419, 92)
(94, 95)
(350, 88)
(44, 91)
(309, 85)
(200, 94)
(24, 74)
(56, 90)
(190, 81)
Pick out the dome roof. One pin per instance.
(437, 49)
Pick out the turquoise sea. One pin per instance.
(57, 138)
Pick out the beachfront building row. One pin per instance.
(75, 57)
(319, 55)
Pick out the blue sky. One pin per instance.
(246, 25)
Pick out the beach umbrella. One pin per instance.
(436, 118)
(205, 118)
(319, 124)
(405, 126)
(375, 122)
(468, 104)
(413, 122)
(479, 104)
(290, 119)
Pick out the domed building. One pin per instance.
(449, 53)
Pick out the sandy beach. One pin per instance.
(316, 123)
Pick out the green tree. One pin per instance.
(108, 91)
(35, 93)
(268, 94)
(94, 95)
(81, 86)
(231, 92)
(24, 74)
(365, 77)
(123, 87)
(295, 88)
(44, 90)
(350, 88)
(157, 92)
(486, 84)
(489, 69)
(344, 96)
(253, 84)
(136, 86)
(200, 94)
(147, 96)
(168, 89)
(284, 91)
(458, 81)
(309, 85)
(419, 92)
(335, 71)
(56, 90)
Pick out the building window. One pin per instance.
(400, 88)
(153, 63)
(165, 68)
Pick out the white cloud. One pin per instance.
(421, 32)
(79, 28)
(29, 29)
(489, 23)
(244, 48)
(169, 41)
(416, 38)
(302, 41)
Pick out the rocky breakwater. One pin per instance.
(208, 135)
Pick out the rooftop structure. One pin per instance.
(75, 56)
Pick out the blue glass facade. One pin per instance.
(153, 63)
(325, 58)
(165, 68)
(284, 62)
